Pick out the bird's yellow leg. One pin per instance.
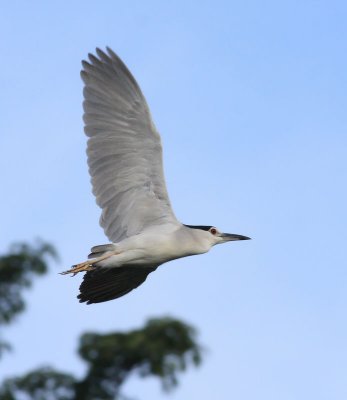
(87, 265)
(75, 269)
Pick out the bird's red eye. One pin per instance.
(213, 231)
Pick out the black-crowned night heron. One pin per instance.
(125, 164)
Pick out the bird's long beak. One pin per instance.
(227, 237)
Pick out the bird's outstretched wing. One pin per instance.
(124, 150)
(104, 284)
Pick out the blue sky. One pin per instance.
(250, 99)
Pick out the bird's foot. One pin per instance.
(88, 265)
(82, 267)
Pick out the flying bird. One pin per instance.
(125, 163)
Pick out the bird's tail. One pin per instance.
(98, 251)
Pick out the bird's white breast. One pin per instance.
(155, 247)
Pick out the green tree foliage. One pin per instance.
(17, 271)
(163, 348)
(41, 384)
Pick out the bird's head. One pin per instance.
(213, 236)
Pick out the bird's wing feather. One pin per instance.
(124, 150)
(104, 284)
